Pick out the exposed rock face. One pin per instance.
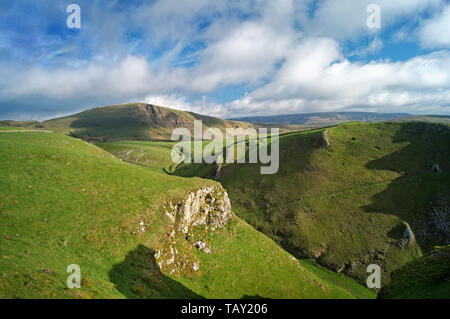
(192, 222)
(218, 168)
(440, 220)
(408, 237)
(325, 139)
(436, 168)
(152, 114)
(435, 224)
(208, 206)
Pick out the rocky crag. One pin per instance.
(192, 223)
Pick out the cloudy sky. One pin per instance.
(225, 58)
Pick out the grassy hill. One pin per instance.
(64, 201)
(426, 277)
(135, 121)
(353, 203)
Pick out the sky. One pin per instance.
(225, 58)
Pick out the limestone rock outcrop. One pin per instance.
(192, 221)
(325, 139)
(208, 206)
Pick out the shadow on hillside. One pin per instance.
(294, 158)
(110, 123)
(107, 118)
(139, 276)
(410, 195)
(428, 144)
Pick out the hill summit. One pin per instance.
(135, 121)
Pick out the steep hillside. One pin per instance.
(426, 277)
(379, 193)
(135, 121)
(135, 232)
(323, 118)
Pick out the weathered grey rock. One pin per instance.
(196, 266)
(325, 139)
(436, 168)
(202, 246)
(206, 209)
(440, 219)
(408, 237)
(435, 224)
(208, 206)
(218, 168)
(408, 233)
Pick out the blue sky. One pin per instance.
(225, 58)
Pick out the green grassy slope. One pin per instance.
(346, 205)
(135, 121)
(64, 201)
(151, 154)
(7, 128)
(426, 277)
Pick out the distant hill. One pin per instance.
(11, 123)
(322, 118)
(442, 119)
(135, 121)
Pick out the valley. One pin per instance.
(65, 201)
(208, 159)
(345, 197)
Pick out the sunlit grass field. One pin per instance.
(65, 201)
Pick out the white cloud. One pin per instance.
(180, 102)
(316, 77)
(435, 32)
(246, 55)
(130, 76)
(285, 67)
(346, 19)
(373, 47)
